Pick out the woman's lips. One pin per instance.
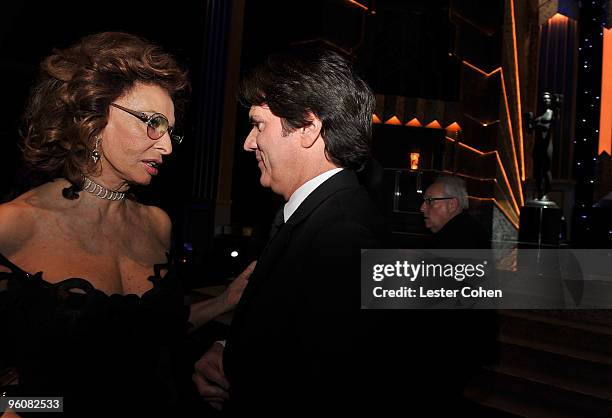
(151, 170)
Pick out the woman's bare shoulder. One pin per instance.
(157, 221)
(17, 224)
(19, 217)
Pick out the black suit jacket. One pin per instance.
(294, 338)
(462, 231)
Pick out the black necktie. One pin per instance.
(279, 220)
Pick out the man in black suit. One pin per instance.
(472, 334)
(445, 211)
(293, 342)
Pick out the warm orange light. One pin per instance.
(414, 160)
(503, 170)
(461, 144)
(453, 127)
(510, 129)
(510, 218)
(376, 119)
(393, 121)
(414, 122)
(559, 18)
(434, 124)
(484, 179)
(358, 4)
(473, 177)
(605, 117)
(473, 67)
(505, 212)
(499, 206)
(519, 111)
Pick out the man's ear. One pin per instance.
(311, 132)
(454, 204)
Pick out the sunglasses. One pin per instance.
(157, 124)
(428, 200)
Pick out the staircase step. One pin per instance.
(556, 369)
(475, 410)
(593, 320)
(521, 396)
(579, 317)
(551, 364)
(587, 341)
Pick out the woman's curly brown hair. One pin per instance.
(69, 105)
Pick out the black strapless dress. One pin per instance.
(106, 355)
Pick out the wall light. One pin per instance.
(414, 160)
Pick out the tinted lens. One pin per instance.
(177, 138)
(157, 126)
(176, 135)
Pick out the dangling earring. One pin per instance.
(95, 154)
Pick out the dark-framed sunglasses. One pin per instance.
(157, 124)
(428, 200)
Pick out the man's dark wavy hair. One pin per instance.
(310, 80)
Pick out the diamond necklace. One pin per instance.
(102, 192)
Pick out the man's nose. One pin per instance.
(422, 208)
(250, 143)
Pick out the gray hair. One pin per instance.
(454, 187)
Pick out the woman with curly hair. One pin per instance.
(93, 310)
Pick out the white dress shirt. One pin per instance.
(302, 192)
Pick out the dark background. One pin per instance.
(30, 30)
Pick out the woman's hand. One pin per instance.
(207, 310)
(231, 295)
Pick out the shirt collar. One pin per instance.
(304, 190)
